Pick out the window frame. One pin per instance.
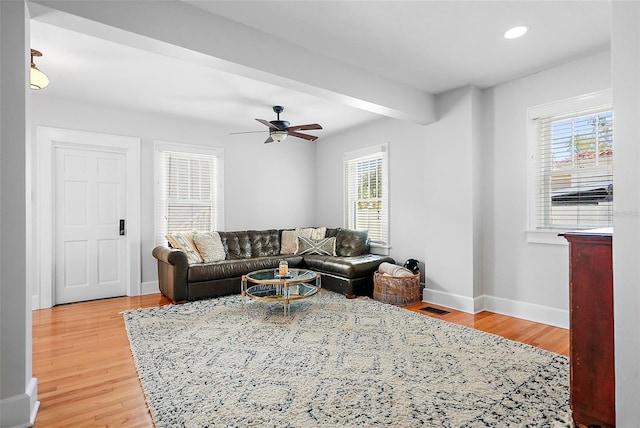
(590, 101)
(383, 245)
(159, 147)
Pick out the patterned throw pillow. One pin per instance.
(322, 247)
(184, 241)
(209, 246)
(289, 240)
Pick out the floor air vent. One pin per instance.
(435, 310)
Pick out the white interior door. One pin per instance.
(90, 202)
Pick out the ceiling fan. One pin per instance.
(280, 129)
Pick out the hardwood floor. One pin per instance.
(81, 357)
(86, 376)
(543, 336)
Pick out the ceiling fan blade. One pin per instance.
(303, 136)
(246, 132)
(267, 123)
(305, 127)
(269, 140)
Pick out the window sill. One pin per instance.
(547, 237)
(382, 250)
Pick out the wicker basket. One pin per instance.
(396, 290)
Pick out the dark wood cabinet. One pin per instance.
(592, 385)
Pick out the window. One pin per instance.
(574, 166)
(366, 193)
(189, 189)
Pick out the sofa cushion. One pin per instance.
(184, 241)
(264, 242)
(237, 245)
(325, 246)
(237, 268)
(331, 232)
(348, 267)
(351, 243)
(209, 246)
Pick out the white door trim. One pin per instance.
(48, 140)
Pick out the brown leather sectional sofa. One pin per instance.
(349, 272)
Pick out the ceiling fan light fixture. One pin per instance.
(280, 129)
(37, 79)
(279, 135)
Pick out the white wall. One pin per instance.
(479, 153)
(626, 221)
(450, 165)
(528, 280)
(406, 172)
(459, 194)
(18, 389)
(266, 185)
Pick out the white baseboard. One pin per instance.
(479, 304)
(20, 410)
(513, 308)
(149, 287)
(528, 311)
(453, 301)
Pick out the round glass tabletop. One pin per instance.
(272, 276)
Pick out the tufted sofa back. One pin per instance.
(265, 242)
(245, 244)
(350, 243)
(236, 244)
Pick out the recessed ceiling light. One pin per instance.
(515, 32)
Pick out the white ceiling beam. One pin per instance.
(182, 31)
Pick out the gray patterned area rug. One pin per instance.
(337, 363)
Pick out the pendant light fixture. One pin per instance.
(278, 134)
(38, 79)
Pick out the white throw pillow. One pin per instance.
(184, 241)
(318, 233)
(312, 233)
(289, 242)
(305, 233)
(209, 246)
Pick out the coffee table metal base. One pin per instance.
(267, 285)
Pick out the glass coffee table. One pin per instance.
(268, 285)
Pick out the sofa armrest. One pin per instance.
(170, 255)
(173, 270)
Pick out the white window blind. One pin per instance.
(575, 170)
(187, 197)
(366, 193)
